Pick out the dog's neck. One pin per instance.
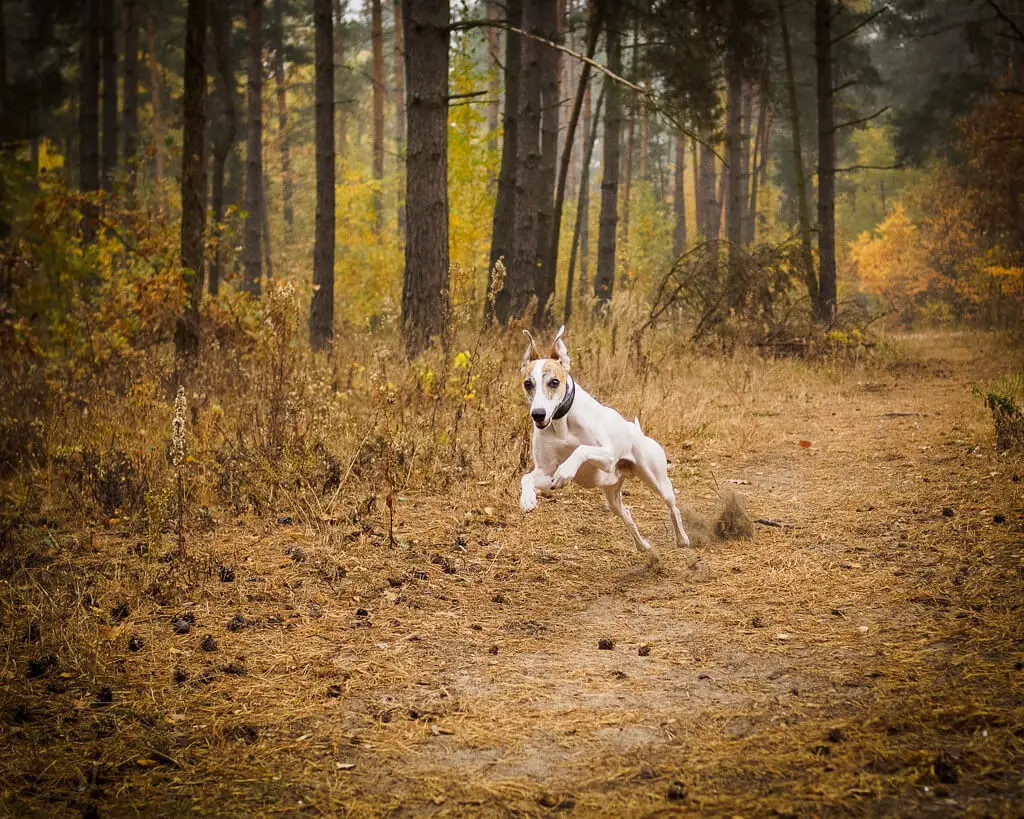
(566, 403)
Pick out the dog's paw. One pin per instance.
(560, 479)
(528, 502)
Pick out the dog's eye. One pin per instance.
(528, 384)
(554, 383)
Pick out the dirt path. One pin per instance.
(864, 658)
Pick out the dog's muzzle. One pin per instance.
(538, 416)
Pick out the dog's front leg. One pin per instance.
(531, 482)
(599, 456)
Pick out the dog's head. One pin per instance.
(545, 379)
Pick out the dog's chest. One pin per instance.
(552, 449)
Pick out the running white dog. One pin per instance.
(576, 438)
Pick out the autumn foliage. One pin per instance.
(953, 248)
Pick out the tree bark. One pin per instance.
(758, 165)
(131, 91)
(826, 305)
(522, 274)
(679, 199)
(604, 279)
(733, 159)
(503, 231)
(377, 33)
(708, 199)
(225, 130)
(193, 181)
(283, 135)
(339, 79)
(582, 213)
(698, 193)
(321, 312)
(745, 165)
(88, 115)
(583, 84)
(546, 267)
(399, 101)
(155, 83)
(254, 152)
(425, 305)
(494, 78)
(628, 163)
(803, 210)
(108, 28)
(590, 122)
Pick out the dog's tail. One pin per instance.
(637, 422)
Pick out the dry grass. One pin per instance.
(854, 659)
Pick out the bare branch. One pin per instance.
(861, 120)
(859, 25)
(844, 86)
(1002, 15)
(849, 168)
(653, 100)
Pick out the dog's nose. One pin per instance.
(538, 415)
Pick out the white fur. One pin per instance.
(595, 447)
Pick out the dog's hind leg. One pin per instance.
(613, 495)
(653, 470)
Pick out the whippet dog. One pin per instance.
(576, 438)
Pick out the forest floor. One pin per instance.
(866, 657)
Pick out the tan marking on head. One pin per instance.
(552, 369)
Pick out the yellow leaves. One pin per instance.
(1000, 272)
(893, 263)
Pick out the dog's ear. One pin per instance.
(559, 351)
(531, 353)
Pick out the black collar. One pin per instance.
(566, 403)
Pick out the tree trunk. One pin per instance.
(425, 305)
(698, 193)
(583, 84)
(108, 28)
(339, 78)
(225, 130)
(627, 199)
(155, 82)
(582, 212)
(282, 121)
(708, 202)
(494, 77)
(733, 159)
(131, 91)
(826, 306)
(268, 256)
(377, 31)
(399, 98)
(644, 134)
(254, 152)
(193, 180)
(604, 280)
(745, 165)
(5, 213)
(679, 199)
(503, 235)
(590, 122)
(803, 210)
(546, 267)
(756, 159)
(522, 274)
(88, 115)
(321, 311)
